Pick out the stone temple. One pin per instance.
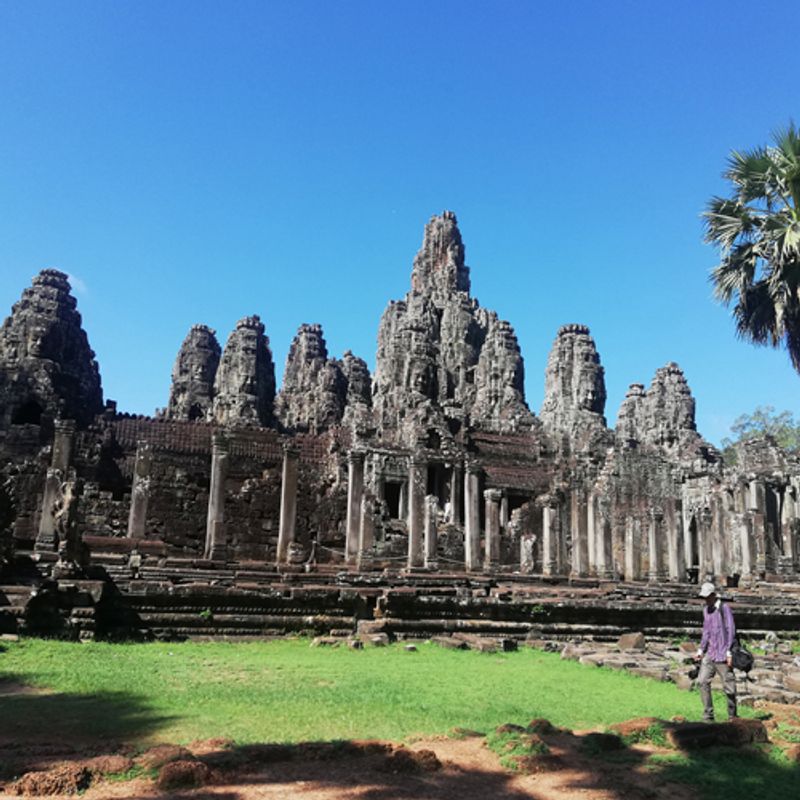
(427, 495)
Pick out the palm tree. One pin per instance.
(757, 231)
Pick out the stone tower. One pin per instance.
(244, 388)
(575, 389)
(192, 393)
(429, 348)
(314, 389)
(46, 364)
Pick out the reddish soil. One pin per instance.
(468, 771)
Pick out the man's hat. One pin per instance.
(707, 589)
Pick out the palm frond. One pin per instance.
(755, 315)
(736, 273)
(757, 232)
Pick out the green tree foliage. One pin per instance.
(757, 233)
(764, 421)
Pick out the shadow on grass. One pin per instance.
(39, 728)
(733, 773)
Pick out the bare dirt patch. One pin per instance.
(438, 768)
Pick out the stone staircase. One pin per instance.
(13, 603)
(176, 597)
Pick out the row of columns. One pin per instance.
(593, 535)
(422, 515)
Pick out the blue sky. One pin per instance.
(199, 162)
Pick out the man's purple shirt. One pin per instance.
(716, 642)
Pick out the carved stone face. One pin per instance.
(36, 334)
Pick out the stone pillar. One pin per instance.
(592, 534)
(56, 474)
(632, 545)
(366, 536)
(671, 523)
(504, 512)
(140, 491)
(64, 434)
(578, 520)
(216, 545)
(605, 556)
(550, 536)
(472, 527)
(746, 544)
(417, 483)
(288, 518)
(355, 493)
(703, 519)
(402, 501)
(788, 516)
(46, 536)
(492, 498)
(456, 494)
(757, 506)
(655, 529)
(431, 539)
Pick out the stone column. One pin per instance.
(456, 494)
(746, 544)
(431, 539)
(355, 493)
(288, 518)
(504, 512)
(140, 491)
(417, 482)
(702, 519)
(216, 545)
(592, 534)
(46, 536)
(578, 520)
(550, 536)
(472, 527)
(788, 516)
(402, 501)
(64, 434)
(757, 506)
(671, 522)
(655, 528)
(366, 535)
(492, 499)
(56, 474)
(632, 560)
(605, 556)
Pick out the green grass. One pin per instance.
(512, 746)
(654, 734)
(286, 691)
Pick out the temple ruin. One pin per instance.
(341, 496)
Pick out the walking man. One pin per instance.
(714, 655)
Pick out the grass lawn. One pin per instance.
(286, 691)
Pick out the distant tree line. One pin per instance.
(764, 421)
